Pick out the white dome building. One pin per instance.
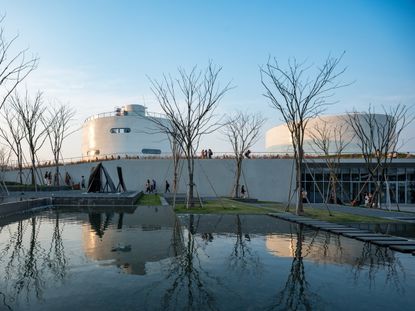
(278, 139)
(127, 131)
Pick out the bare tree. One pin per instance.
(31, 113)
(328, 139)
(14, 66)
(14, 135)
(378, 137)
(242, 131)
(4, 165)
(176, 154)
(189, 102)
(298, 98)
(57, 125)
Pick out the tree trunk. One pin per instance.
(33, 160)
(32, 173)
(299, 168)
(20, 172)
(57, 172)
(238, 176)
(333, 187)
(190, 167)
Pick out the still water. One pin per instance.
(147, 258)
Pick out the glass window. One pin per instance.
(318, 174)
(401, 192)
(346, 174)
(401, 174)
(151, 151)
(391, 174)
(326, 174)
(410, 173)
(411, 193)
(120, 130)
(355, 174)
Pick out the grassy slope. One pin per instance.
(227, 206)
(336, 217)
(222, 206)
(149, 200)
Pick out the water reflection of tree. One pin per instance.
(243, 258)
(186, 284)
(296, 293)
(187, 279)
(28, 266)
(373, 260)
(55, 257)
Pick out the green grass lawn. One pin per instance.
(228, 206)
(222, 206)
(337, 217)
(149, 199)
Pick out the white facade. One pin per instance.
(127, 131)
(264, 179)
(278, 139)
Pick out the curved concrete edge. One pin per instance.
(69, 199)
(11, 208)
(164, 201)
(382, 240)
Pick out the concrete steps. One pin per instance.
(395, 243)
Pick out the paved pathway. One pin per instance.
(370, 212)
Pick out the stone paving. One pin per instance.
(395, 243)
(370, 212)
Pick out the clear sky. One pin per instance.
(95, 55)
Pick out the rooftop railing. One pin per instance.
(168, 155)
(123, 114)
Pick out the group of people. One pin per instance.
(206, 154)
(48, 178)
(151, 186)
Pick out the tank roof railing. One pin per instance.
(120, 114)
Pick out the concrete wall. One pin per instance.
(11, 208)
(265, 179)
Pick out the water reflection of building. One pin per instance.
(129, 241)
(281, 237)
(322, 247)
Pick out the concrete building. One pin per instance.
(128, 130)
(278, 139)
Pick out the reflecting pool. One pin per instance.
(147, 258)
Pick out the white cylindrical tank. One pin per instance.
(278, 139)
(129, 130)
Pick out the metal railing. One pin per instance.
(121, 114)
(168, 155)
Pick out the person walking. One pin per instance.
(210, 153)
(304, 196)
(83, 182)
(148, 186)
(243, 191)
(167, 189)
(153, 186)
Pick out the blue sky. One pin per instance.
(95, 55)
